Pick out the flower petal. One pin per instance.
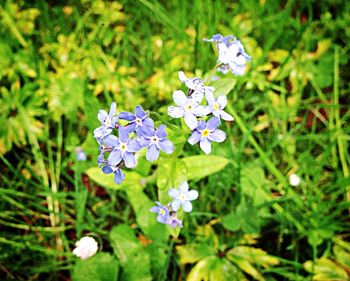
(209, 96)
(175, 111)
(201, 110)
(191, 121)
(194, 138)
(112, 109)
(118, 176)
(187, 206)
(176, 205)
(205, 145)
(173, 192)
(167, 146)
(217, 136)
(213, 123)
(180, 98)
(183, 187)
(224, 115)
(102, 115)
(143, 142)
(152, 153)
(154, 209)
(111, 141)
(133, 145)
(126, 116)
(182, 76)
(222, 100)
(115, 157)
(123, 134)
(201, 125)
(129, 160)
(197, 96)
(107, 170)
(147, 131)
(192, 195)
(139, 112)
(160, 132)
(148, 122)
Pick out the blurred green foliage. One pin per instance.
(62, 61)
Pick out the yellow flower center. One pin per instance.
(108, 121)
(122, 146)
(216, 106)
(205, 133)
(183, 197)
(162, 212)
(138, 121)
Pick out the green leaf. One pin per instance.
(194, 252)
(223, 86)
(132, 179)
(101, 267)
(249, 222)
(342, 256)
(325, 269)
(132, 255)
(231, 222)
(201, 166)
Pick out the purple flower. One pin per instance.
(196, 86)
(137, 120)
(155, 140)
(183, 197)
(118, 174)
(173, 221)
(188, 108)
(231, 54)
(123, 148)
(108, 121)
(163, 212)
(205, 133)
(217, 105)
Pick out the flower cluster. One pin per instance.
(189, 107)
(231, 54)
(182, 198)
(139, 132)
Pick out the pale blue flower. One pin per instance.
(123, 148)
(173, 221)
(217, 105)
(196, 88)
(108, 122)
(162, 211)
(155, 140)
(118, 174)
(183, 197)
(81, 155)
(231, 54)
(137, 120)
(206, 133)
(188, 108)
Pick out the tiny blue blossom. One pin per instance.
(231, 54)
(162, 211)
(108, 122)
(183, 197)
(155, 140)
(173, 221)
(196, 87)
(81, 155)
(217, 105)
(206, 133)
(123, 148)
(188, 108)
(119, 176)
(137, 120)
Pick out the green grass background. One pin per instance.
(62, 61)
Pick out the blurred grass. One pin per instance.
(60, 63)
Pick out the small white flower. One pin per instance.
(85, 247)
(294, 180)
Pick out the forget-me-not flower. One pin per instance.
(162, 211)
(108, 122)
(196, 87)
(123, 148)
(173, 221)
(137, 120)
(206, 133)
(119, 176)
(155, 140)
(81, 155)
(188, 108)
(217, 105)
(183, 197)
(231, 53)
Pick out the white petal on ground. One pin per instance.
(85, 247)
